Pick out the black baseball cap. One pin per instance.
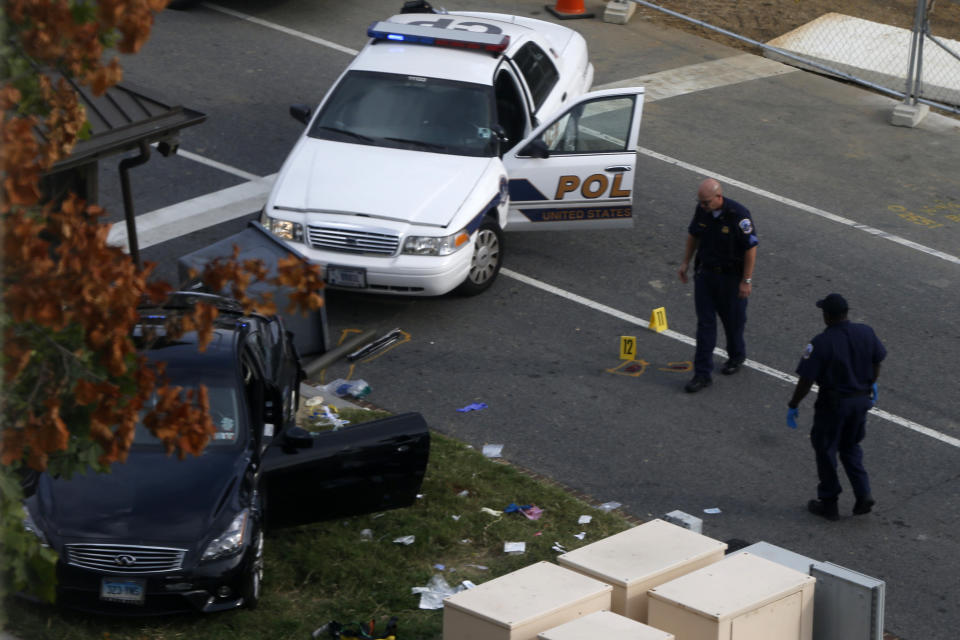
(834, 304)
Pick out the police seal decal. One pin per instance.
(746, 226)
(807, 351)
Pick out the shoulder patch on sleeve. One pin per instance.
(746, 226)
(807, 351)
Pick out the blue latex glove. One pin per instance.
(873, 396)
(792, 415)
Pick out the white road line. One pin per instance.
(803, 207)
(240, 173)
(762, 368)
(282, 29)
(195, 214)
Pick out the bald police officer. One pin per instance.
(725, 241)
(844, 361)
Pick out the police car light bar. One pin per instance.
(418, 34)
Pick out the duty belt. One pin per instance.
(729, 270)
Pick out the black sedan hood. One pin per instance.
(150, 498)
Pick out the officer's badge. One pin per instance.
(725, 229)
(746, 226)
(807, 351)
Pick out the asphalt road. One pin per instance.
(842, 202)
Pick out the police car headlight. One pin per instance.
(436, 246)
(283, 228)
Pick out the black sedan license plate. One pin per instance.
(354, 277)
(129, 590)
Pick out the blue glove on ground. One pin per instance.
(873, 396)
(792, 415)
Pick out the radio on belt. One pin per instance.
(419, 34)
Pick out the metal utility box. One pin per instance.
(604, 625)
(310, 333)
(521, 604)
(849, 605)
(743, 597)
(779, 555)
(645, 556)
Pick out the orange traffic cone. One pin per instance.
(568, 9)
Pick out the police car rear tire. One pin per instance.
(487, 258)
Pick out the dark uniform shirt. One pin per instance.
(723, 240)
(842, 358)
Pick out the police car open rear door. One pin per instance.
(577, 170)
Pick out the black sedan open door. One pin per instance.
(372, 466)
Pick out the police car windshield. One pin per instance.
(409, 112)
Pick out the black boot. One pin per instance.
(863, 505)
(824, 508)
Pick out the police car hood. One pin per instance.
(338, 178)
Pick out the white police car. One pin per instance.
(446, 129)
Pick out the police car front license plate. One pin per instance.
(346, 277)
(129, 590)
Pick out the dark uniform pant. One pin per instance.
(839, 424)
(718, 294)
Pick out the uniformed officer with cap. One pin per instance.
(725, 241)
(844, 361)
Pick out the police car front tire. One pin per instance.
(487, 258)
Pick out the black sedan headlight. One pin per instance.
(32, 527)
(231, 540)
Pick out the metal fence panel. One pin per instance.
(912, 64)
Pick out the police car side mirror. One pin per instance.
(300, 112)
(537, 149)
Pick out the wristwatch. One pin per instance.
(748, 280)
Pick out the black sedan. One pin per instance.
(159, 535)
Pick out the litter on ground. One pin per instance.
(432, 595)
(514, 547)
(493, 450)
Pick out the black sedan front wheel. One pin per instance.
(252, 580)
(487, 258)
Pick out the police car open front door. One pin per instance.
(577, 170)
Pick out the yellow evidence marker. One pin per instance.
(628, 347)
(658, 319)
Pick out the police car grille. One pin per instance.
(353, 241)
(118, 558)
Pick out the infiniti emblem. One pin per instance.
(125, 560)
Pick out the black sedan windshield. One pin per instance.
(409, 112)
(224, 411)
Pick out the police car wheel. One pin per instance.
(487, 257)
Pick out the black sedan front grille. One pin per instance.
(346, 241)
(118, 558)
